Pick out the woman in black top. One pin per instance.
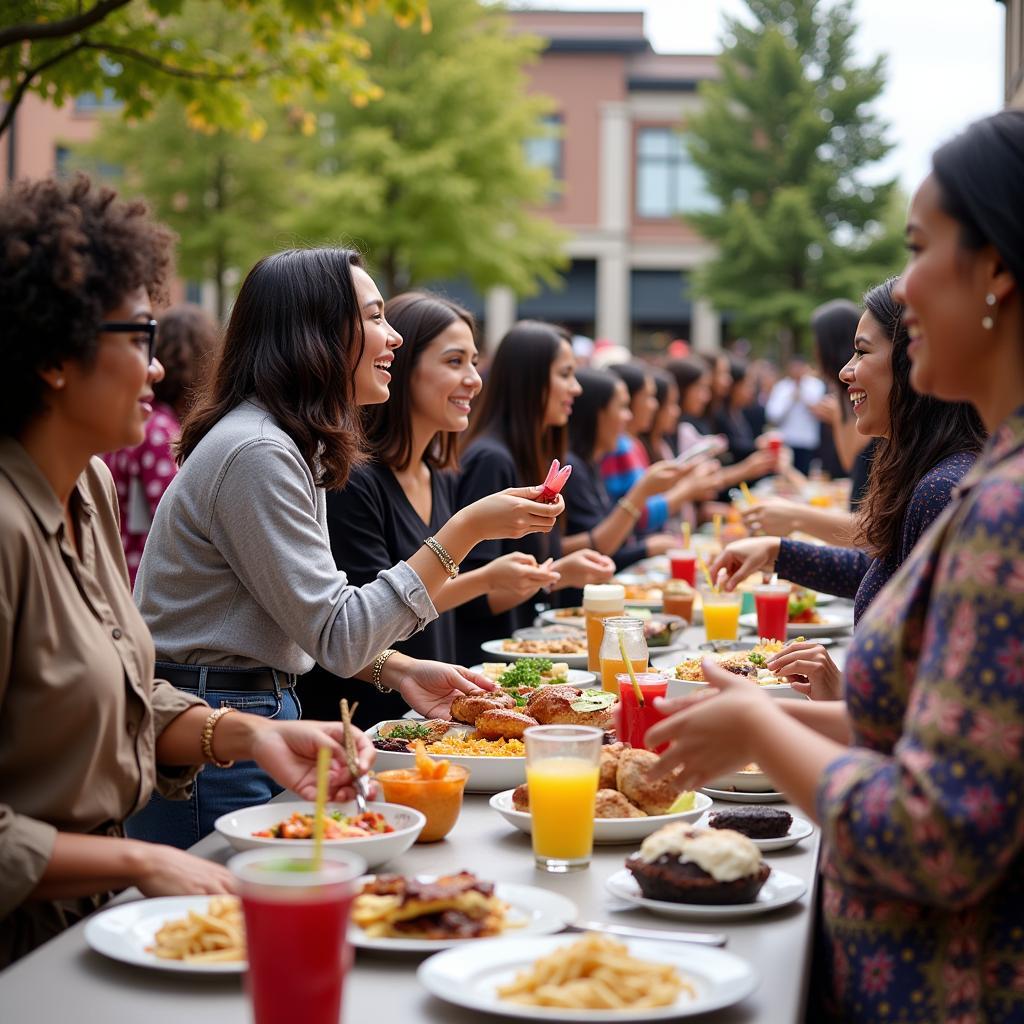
(405, 492)
(520, 428)
(601, 413)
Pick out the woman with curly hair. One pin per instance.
(185, 339)
(86, 731)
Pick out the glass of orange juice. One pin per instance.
(600, 601)
(721, 613)
(562, 767)
(618, 631)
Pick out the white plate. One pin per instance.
(123, 932)
(606, 830)
(576, 677)
(681, 687)
(533, 911)
(743, 782)
(733, 797)
(831, 625)
(800, 829)
(550, 617)
(486, 774)
(779, 890)
(237, 828)
(497, 650)
(470, 977)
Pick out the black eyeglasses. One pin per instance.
(143, 329)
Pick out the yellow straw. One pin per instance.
(717, 520)
(707, 573)
(323, 764)
(747, 496)
(637, 692)
(686, 536)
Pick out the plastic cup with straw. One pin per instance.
(637, 692)
(747, 496)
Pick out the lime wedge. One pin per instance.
(684, 802)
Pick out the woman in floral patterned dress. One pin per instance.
(917, 780)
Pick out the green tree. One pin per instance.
(134, 48)
(431, 180)
(783, 139)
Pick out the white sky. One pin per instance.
(945, 60)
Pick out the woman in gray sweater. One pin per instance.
(237, 583)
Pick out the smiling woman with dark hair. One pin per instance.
(520, 426)
(237, 582)
(916, 779)
(406, 491)
(86, 730)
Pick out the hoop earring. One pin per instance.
(988, 321)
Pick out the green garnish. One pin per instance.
(757, 659)
(410, 731)
(596, 700)
(525, 673)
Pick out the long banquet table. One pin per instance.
(66, 981)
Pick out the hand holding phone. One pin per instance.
(706, 447)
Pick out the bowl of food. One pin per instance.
(687, 670)
(434, 788)
(383, 833)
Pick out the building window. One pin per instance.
(546, 150)
(667, 180)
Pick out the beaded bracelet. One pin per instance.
(206, 737)
(443, 557)
(378, 668)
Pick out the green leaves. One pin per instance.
(783, 140)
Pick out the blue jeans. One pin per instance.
(183, 823)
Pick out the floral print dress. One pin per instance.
(923, 887)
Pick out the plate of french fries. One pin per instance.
(194, 934)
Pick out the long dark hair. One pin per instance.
(922, 432)
(663, 381)
(293, 343)
(598, 390)
(515, 396)
(979, 174)
(419, 317)
(834, 326)
(185, 343)
(687, 372)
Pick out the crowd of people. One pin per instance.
(331, 500)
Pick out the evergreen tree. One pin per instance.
(783, 139)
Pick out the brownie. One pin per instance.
(755, 822)
(676, 881)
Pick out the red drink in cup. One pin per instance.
(296, 921)
(683, 565)
(772, 603)
(636, 720)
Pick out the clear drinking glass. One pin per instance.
(562, 767)
(721, 613)
(296, 924)
(631, 632)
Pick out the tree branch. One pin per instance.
(192, 74)
(59, 29)
(19, 94)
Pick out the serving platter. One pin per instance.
(496, 648)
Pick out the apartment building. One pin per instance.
(618, 156)
(624, 177)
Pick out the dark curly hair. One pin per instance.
(185, 344)
(70, 251)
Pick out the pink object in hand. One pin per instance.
(554, 482)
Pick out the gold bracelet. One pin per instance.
(628, 507)
(378, 668)
(206, 737)
(443, 557)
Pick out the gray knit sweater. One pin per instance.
(238, 568)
